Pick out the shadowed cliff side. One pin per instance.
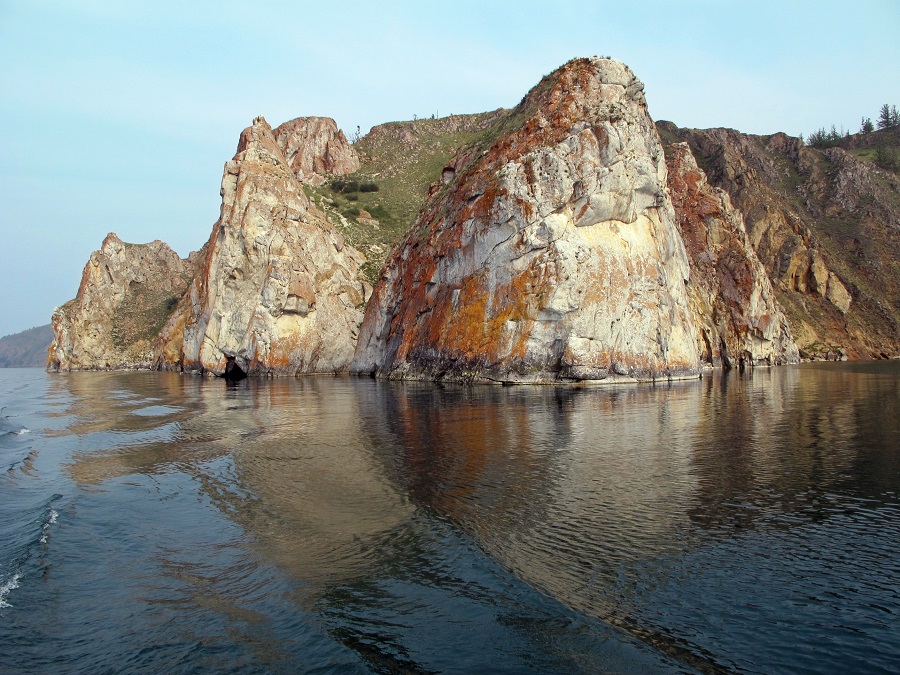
(739, 320)
(551, 255)
(826, 226)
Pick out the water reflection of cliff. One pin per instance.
(591, 495)
(564, 486)
(567, 487)
(771, 443)
(582, 491)
(285, 459)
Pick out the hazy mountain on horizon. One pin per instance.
(27, 349)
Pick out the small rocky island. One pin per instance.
(568, 239)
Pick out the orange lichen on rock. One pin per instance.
(740, 320)
(544, 254)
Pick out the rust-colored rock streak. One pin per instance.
(278, 292)
(551, 256)
(824, 224)
(739, 320)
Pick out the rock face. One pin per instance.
(127, 291)
(825, 226)
(551, 256)
(276, 292)
(314, 147)
(739, 319)
(548, 249)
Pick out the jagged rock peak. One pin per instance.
(277, 292)
(552, 255)
(587, 79)
(738, 317)
(257, 142)
(314, 147)
(127, 291)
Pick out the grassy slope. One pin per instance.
(403, 159)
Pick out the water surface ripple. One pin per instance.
(152, 522)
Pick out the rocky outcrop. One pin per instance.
(314, 147)
(277, 292)
(547, 249)
(553, 255)
(127, 291)
(738, 317)
(825, 226)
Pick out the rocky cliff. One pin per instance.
(551, 255)
(314, 147)
(552, 244)
(738, 317)
(825, 225)
(277, 291)
(127, 291)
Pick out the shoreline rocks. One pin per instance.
(573, 241)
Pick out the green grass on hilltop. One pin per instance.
(402, 159)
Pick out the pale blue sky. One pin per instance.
(118, 116)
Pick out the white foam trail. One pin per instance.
(12, 582)
(23, 430)
(52, 519)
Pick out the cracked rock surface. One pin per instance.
(739, 320)
(551, 255)
(277, 292)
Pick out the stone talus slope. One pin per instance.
(825, 225)
(552, 256)
(277, 291)
(738, 317)
(126, 293)
(314, 147)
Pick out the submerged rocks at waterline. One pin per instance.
(277, 292)
(553, 255)
(127, 292)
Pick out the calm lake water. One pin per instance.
(153, 522)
